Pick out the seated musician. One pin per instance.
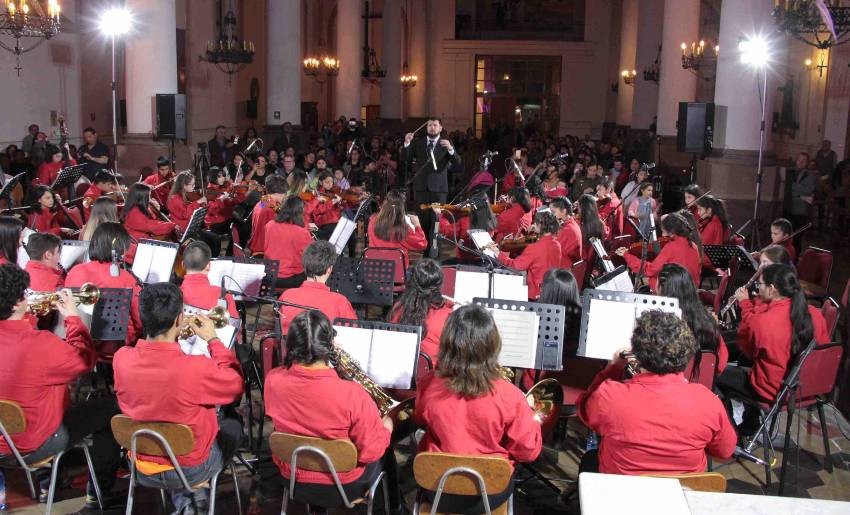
(780, 231)
(220, 210)
(103, 210)
(392, 227)
(161, 177)
(44, 213)
(44, 250)
(712, 221)
(180, 209)
(775, 254)
(569, 235)
(553, 185)
(285, 241)
(318, 262)
(48, 171)
(108, 244)
(539, 256)
(508, 221)
(265, 211)
(457, 226)
(104, 183)
(610, 207)
(306, 381)
(36, 372)
(591, 226)
(156, 382)
(467, 408)
(656, 421)
(137, 217)
(422, 303)
(674, 281)
(196, 288)
(770, 336)
(329, 211)
(298, 187)
(11, 238)
(683, 248)
(692, 193)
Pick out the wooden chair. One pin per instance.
(13, 421)
(318, 455)
(461, 475)
(698, 481)
(168, 440)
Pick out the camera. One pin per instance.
(202, 146)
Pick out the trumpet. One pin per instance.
(41, 303)
(219, 316)
(348, 367)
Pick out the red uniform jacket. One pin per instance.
(221, 209)
(435, 320)
(612, 216)
(44, 221)
(198, 292)
(713, 234)
(158, 194)
(765, 337)
(35, 372)
(180, 211)
(655, 423)
(414, 241)
(536, 259)
(459, 230)
(722, 353)
(347, 413)
(792, 251)
(44, 278)
(141, 225)
(570, 239)
(48, 172)
(93, 193)
(326, 212)
(679, 250)
(318, 296)
(286, 243)
(262, 214)
(498, 424)
(98, 273)
(508, 222)
(156, 382)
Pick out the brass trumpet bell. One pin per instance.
(219, 316)
(545, 399)
(40, 304)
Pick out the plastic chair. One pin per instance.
(829, 310)
(815, 266)
(394, 255)
(163, 439)
(318, 455)
(707, 369)
(13, 421)
(457, 474)
(238, 249)
(698, 481)
(579, 270)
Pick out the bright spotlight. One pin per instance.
(116, 22)
(754, 52)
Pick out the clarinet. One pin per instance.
(731, 302)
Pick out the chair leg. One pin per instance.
(236, 488)
(827, 453)
(32, 485)
(285, 501)
(92, 476)
(132, 488)
(213, 486)
(785, 445)
(54, 473)
(163, 500)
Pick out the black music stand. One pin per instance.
(610, 277)
(196, 222)
(550, 329)
(721, 255)
(6, 190)
(364, 281)
(386, 326)
(68, 176)
(111, 314)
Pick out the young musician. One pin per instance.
(610, 208)
(285, 240)
(683, 249)
(44, 250)
(48, 171)
(104, 183)
(158, 181)
(539, 256)
(643, 208)
(180, 210)
(467, 408)
(591, 225)
(630, 191)
(553, 186)
(11, 237)
(103, 210)
(392, 227)
(692, 193)
(156, 382)
(508, 221)
(318, 261)
(457, 227)
(196, 288)
(781, 229)
(329, 211)
(43, 214)
(569, 235)
(775, 254)
(298, 187)
(675, 281)
(307, 381)
(265, 211)
(422, 303)
(657, 421)
(712, 221)
(37, 371)
(137, 216)
(220, 210)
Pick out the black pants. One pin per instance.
(589, 461)
(293, 281)
(427, 217)
(223, 230)
(450, 503)
(327, 496)
(734, 383)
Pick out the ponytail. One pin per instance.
(784, 279)
(682, 223)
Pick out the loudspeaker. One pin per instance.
(695, 127)
(170, 116)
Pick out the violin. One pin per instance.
(350, 196)
(636, 248)
(271, 203)
(210, 195)
(518, 244)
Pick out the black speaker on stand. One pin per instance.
(170, 119)
(695, 127)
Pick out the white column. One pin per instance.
(151, 60)
(283, 61)
(645, 102)
(739, 85)
(349, 47)
(417, 98)
(628, 44)
(391, 47)
(681, 24)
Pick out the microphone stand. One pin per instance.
(485, 158)
(644, 253)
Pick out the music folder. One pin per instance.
(387, 353)
(154, 260)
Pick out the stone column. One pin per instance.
(151, 60)
(417, 98)
(645, 102)
(628, 44)
(283, 61)
(349, 46)
(391, 60)
(681, 23)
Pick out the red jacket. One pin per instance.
(714, 233)
(93, 193)
(221, 209)
(159, 194)
(536, 260)
(415, 240)
(140, 225)
(44, 221)
(435, 320)
(498, 424)
(612, 216)
(459, 230)
(198, 292)
(44, 278)
(262, 214)
(570, 239)
(765, 337)
(286, 243)
(156, 382)
(679, 250)
(98, 273)
(347, 413)
(326, 212)
(48, 172)
(655, 423)
(508, 222)
(315, 295)
(36, 370)
(180, 211)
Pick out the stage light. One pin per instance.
(116, 22)
(754, 52)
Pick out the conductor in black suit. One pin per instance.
(429, 159)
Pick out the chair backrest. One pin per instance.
(12, 417)
(815, 266)
(389, 254)
(737, 239)
(429, 467)
(579, 270)
(342, 453)
(829, 310)
(699, 481)
(845, 297)
(706, 371)
(720, 293)
(449, 275)
(179, 436)
(238, 249)
(820, 370)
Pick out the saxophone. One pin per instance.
(349, 368)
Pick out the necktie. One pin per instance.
(430, 145)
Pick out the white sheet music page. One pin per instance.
(23, 257)
(342, 233)
(142, 261)
(518, 330)
(72, 253)
(481, 239)
(357, 342)
(392, 360)
(509, 287)
(249, 276)
(469, 285)
(609, 327)
(162, 264)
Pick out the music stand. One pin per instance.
(364, 281)
(195, 223)
(386, 326)
(615, 280)
(550, 330)
(721, 255)
(68, 176)
(6, 190)
(491, 275)
(111, 314)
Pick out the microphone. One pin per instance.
(113, 265)
(518, 171)
(222, 299)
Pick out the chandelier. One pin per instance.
(407, 80)
(24, 21)
(698, 60)
(320, 67)
(804, 20)
(629, 77)
(652, 73)
(229, 54)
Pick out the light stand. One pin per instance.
(114, 110)
(115, 22)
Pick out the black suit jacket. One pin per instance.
(418, 161)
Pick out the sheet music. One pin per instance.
(73, 252)
(609, 327)
(244, 277)
(25, 234)
(620, 282)
(342, 233)
(356, 341)
(600, 251)
(392, 358)
(518, 330)
(23, 257)
(154, 261)
(481, 239)
(469, 285)
(509, 287)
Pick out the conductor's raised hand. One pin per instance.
(446, 144)
(408, 138)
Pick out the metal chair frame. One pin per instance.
(482, 490)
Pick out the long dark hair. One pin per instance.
(682, 224)
(107, 237)
(717, 206)
(421, 293)
(591, 225)
(138, 196)
(784, 279)
(469, 352)
(182, 179)
(292, 211)
(35, 196)
(546, 222)
(559, 287)
(10, 236)
(390, 224)
(521, 196)
(310, 339)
